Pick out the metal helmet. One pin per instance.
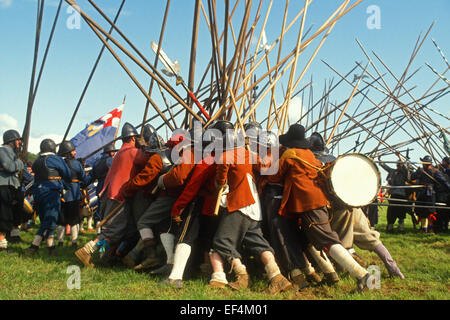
(252, 129)
(11, 135)
(222, 126)
(109, 148)
(232, 140)
(48, 145)
(317, 143)
(155, 143)
(149, 130)
(65, 147)
(268, 139)
(128, 130)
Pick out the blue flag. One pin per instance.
(96, 135)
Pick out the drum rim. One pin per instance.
(377, 172)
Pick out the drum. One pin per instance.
(353, 179)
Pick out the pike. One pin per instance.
(155, 74)
(94, 68)
(179, 80)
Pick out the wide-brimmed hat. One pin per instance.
(426, 159)
(295, 137)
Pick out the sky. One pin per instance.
(74, 50)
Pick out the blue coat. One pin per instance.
(79, 179)
(57, 164)
(100, 170)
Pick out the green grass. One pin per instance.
(423, 258)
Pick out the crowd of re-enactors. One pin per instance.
(219, 216)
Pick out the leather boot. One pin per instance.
(300, 281)
(242, 280)
(313, 278)
(151, 259)
(84, 256)
(279, 284)
(330, 278)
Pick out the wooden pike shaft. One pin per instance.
(161, 36)
(346, 106)
(27, 127)
(94, 68)
(293, 68)
(303, 47)
(155, 74)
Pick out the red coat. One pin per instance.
(128, 161)
(201, 183)
(302, 191)
(234, 173)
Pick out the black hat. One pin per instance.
(446, 159)
(48, 145)
(109, 148)
(295, 137)
(11, 135)
(426, 159)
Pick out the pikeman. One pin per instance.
(10, 167)
(303, 197)
(443, 215)
(138, 190)
(396, 178)
(99, 172)
(70, 208)
(194, 208)
(281, 231)
(126, 164)
(49, 171)
(240, 221)
(169, 186)
(351, 224)
(434, 180)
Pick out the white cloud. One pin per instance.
(35, 142)
(7, 122)
(296, 110)
(5, 3)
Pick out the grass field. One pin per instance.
(423, 258)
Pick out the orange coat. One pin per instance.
(302, 191)
(145, 177)
(176, 178)
(234, 173)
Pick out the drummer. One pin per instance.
(351, 225)
(304, 199)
